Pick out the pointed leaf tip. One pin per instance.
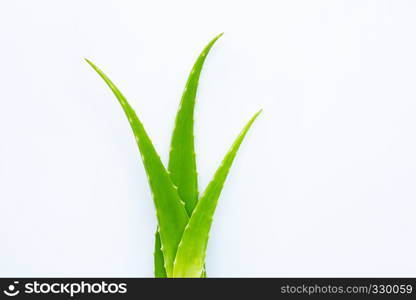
(218, 36)
(182, 161)
(171, 214)
(190, 257)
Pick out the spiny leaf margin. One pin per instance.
(190, 257)
(182, 162)
(170, 210)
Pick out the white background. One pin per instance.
(324, 184)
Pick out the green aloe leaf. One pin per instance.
(159, 261)
(190, 257)
(170, 210)
(182, 163)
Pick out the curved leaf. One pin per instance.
(189, 261)
(182, 164)
(170, 210)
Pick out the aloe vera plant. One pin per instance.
(184, 220)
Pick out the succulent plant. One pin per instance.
(184, 219)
